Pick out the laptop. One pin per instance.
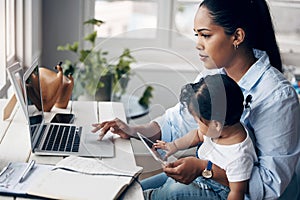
(15, 73)
(158, 154)
(54, 138)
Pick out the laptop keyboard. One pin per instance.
(62, 138)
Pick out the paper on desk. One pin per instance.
(64, 184)
(94, 166)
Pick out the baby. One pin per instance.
(216, 103)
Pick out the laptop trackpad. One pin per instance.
(100, 148)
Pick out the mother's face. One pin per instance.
(216, 48)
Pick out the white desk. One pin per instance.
(15, 145)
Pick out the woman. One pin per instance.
(236, 37)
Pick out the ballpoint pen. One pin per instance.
(4, 169)
(27, 170)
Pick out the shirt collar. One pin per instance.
(255, 72)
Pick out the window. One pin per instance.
(11, 39)
(124, 17)
(184, 17)
(168, 24)
(145, 25)
(10, 29)
(285, 15)
(3, 43)
(7, 40)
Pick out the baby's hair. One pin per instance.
(215, 97)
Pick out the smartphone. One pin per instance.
(65, 118)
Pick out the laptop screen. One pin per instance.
(33, 100)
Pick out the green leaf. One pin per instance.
(74, 47)
(84, 54)
(123, 66)
(94, 21)
(91, 37)
(68, 47)
(68, 68)
(147, 95)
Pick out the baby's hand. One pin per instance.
(170, 147)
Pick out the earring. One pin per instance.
(236, 46)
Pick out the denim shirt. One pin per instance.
(273, 121)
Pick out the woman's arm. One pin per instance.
(185, 170)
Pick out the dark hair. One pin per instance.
(215, 97)
(253, 17)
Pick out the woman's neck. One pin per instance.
(244, 59)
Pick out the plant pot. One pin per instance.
(104, 93)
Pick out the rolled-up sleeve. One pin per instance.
(175, 123)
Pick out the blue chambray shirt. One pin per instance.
(274, 119)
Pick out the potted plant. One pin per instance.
(93, 75)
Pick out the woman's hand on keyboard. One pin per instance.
(115, 126)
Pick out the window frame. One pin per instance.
(7, 52)
(11, 12)
(3, 41)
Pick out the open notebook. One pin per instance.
(72, 178)
(84, 178)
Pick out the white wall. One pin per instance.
(61, 25)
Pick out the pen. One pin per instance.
(27, 170)
(4, 169)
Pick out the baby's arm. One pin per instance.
(191, 139)
(237, 190)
